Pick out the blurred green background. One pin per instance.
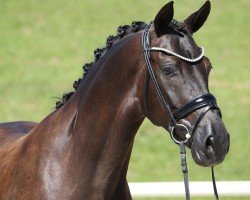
(43, 45)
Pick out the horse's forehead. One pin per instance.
(183, 45)
(179, 43)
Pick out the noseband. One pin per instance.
(206, 101)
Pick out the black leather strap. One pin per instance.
(184, 169)
(195, 104)
(204, 112)
(146, 93)
(146, 49)
(214, 184)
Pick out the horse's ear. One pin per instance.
(197, 19)
(163, 18)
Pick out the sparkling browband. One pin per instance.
(179, 56)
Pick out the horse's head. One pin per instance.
(182, 72)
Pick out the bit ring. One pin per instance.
(187, 135)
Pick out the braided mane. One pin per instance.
(122, 31)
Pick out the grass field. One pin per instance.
(43, 45)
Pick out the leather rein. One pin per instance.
(206, 101)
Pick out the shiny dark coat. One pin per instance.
(82, 150)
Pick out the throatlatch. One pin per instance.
(206, 101)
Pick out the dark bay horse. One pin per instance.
(82, 149)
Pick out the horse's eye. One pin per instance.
(168, 70)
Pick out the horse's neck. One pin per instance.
(101, 120)
(109, 115)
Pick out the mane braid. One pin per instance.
(122, 31)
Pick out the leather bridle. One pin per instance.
(206, 101)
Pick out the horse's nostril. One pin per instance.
(209, 145)
(209, 142)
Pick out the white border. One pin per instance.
(171, 189)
